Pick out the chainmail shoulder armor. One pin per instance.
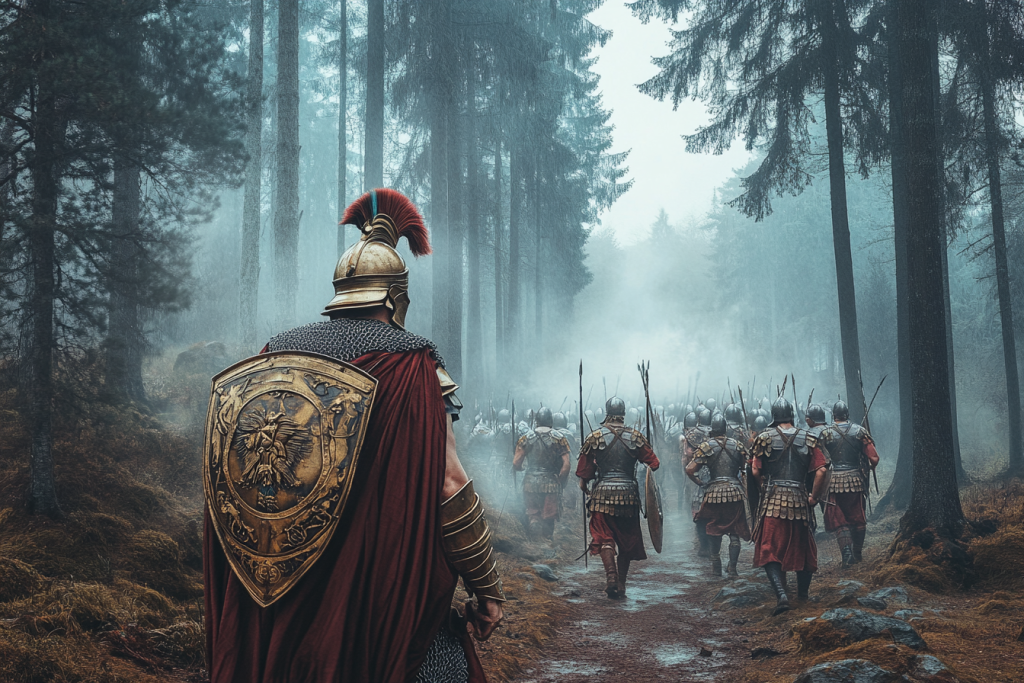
(349, 338)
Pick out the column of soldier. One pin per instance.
(749, 474)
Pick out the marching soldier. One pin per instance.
(547, 452)
(609, 456)
(342, 544)
(817, 422)
(784, 459)
(723, 510)
(735, 428)
(688, 445)
(853, 459)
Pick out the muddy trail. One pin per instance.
(664, 629)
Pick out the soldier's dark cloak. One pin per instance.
(370, 607)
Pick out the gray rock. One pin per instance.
(849, 586)
(892, 594)
(929, 669)
(872, 603)
(742, 601)
(906, 614)
(861, 625)
(849, 671)
(545, 572)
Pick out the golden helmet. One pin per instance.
(372, 273)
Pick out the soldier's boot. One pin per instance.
(845, 540)
(803, 585)
(734, 555)
(549, 531)
(777, 578)
(623, 570)
(703, 549)
(858, 543)
(611, 576)
(715, 546)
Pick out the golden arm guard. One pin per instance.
(467, 541)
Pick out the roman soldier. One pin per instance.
(338, 558)
(723, 510)
(547, 452)
(688, 445)
(784, 459)
(853, 459)
(609, 456)
(735, 429)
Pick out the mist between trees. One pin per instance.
(173, 172)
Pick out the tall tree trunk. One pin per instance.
(538, 278)
(512, 320)
(286, 206)
(439, 191)
(249, 282)
(44, 166)
(993, 142)
(474, 190)
(456, 234)
(961, 475)
(500, 351)
(898, 494)
(373, 154)
(840, 216)
(125, 342)
(934, 498)
(342, 119)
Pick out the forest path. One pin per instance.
(657, 632)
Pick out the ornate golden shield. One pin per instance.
(283, 436)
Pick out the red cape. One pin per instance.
(370, 607)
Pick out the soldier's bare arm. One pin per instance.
(455, 476)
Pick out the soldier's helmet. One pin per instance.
(632, 415)
(558, 421)
(816, 414)
(372, 273)
(840, 411)
(690, 420)
(688, 409)
(589, 416)
(760, 424)
(671, 408)
(782, 411)
(615, 407)
(704, 418)
(718, 425)
(711, 404)
(734, 414)
(752, 417)
(504, 417)
(544, 418)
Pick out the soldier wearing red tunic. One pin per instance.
(546, 451)
(722, 511)
(784, 459)
(376, 604)
(608, 458)
(853, 459)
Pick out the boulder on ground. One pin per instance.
(545, 572)
(849, 671)
(872, 603)
(891, 594)
(861, 625)
(929, 669)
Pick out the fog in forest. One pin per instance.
(572, 220)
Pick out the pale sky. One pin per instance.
(665, 174)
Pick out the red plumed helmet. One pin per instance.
(403, 213)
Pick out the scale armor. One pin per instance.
(723, 459)
(544, 447)
(616, 492)
(844, 444)
(786, 454)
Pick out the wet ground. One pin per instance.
(664, 630)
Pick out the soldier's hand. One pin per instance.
(583, 487)
(484, 618)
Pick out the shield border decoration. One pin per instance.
(267, 549)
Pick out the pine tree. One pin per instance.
(249, 279)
